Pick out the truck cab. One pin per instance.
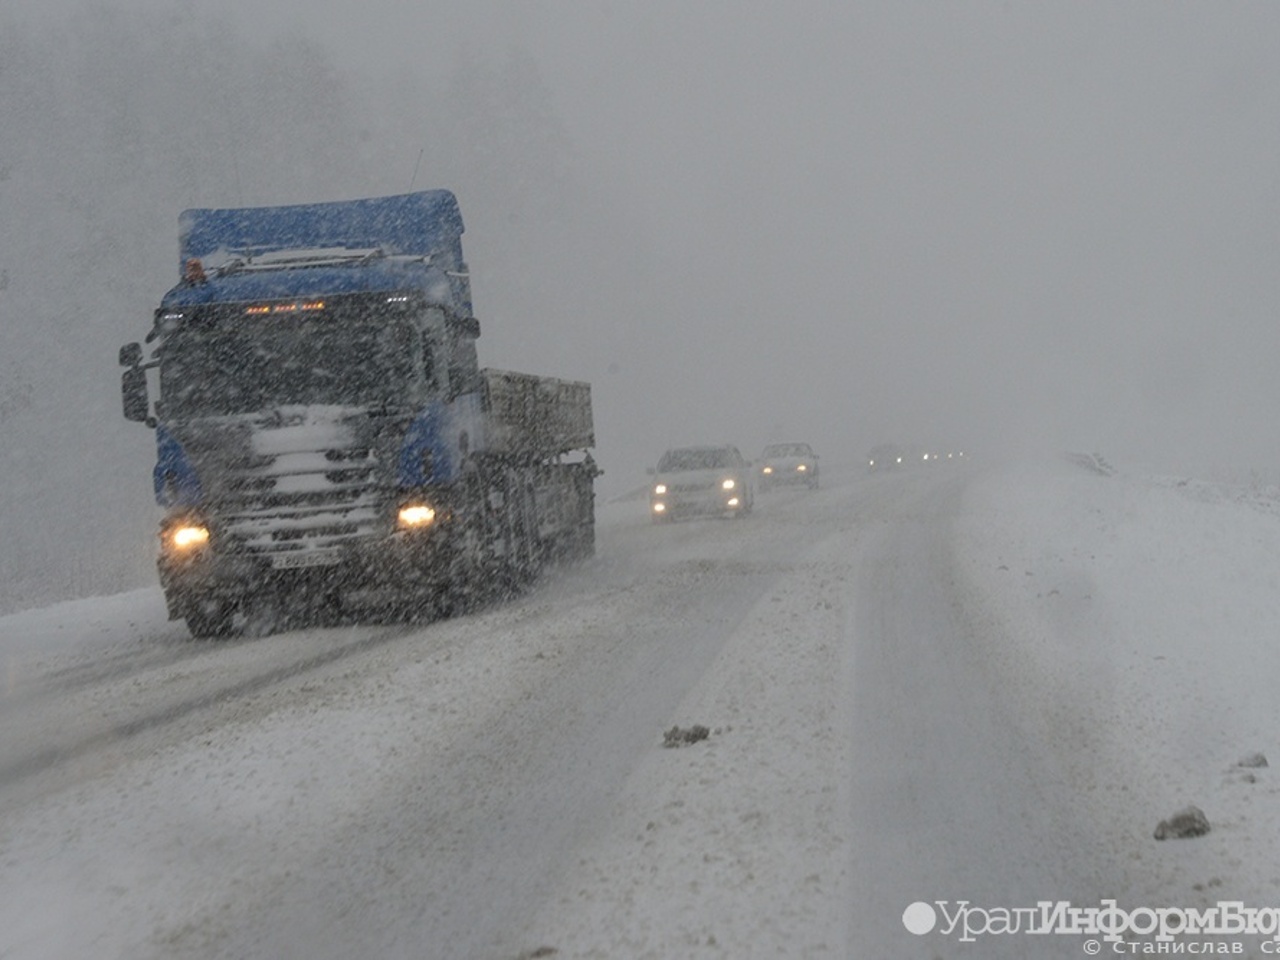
(324, 431)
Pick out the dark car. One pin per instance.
(785, 463)
(710, 480)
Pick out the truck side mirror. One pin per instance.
(131, 355)
(133, 386)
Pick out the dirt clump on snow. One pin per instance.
(684, 736)
(1189, 822)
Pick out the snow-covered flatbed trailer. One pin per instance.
(326, 440)
(541, 430)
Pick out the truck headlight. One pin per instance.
(187, 536)
(414, 516)
(660, 489)
(728, 484)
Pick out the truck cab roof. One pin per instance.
(409, 241)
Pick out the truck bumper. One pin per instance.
(398, 571)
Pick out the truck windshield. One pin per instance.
(224, 369)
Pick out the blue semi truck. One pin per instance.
(326, 441)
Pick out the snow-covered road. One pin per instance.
(918, 687)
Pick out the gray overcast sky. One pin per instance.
(959, 223)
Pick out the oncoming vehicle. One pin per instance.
(783, 463)
(327, 444)
(887, 456)
(711, 480)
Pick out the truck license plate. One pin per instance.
(306, 558)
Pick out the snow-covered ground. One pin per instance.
(1136, 631)
(983, 684)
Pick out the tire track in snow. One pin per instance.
(66, 745)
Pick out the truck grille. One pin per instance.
(307, 500)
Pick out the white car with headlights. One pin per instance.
(783, 463)
(712, 480)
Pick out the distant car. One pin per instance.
(711, 480)
(887, 456)
(782, 463)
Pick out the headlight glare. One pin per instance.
(728, 484)
(415, 515)
(189, 536)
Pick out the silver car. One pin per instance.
(784, 463)
(712, 480)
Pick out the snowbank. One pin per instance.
(1135, 620)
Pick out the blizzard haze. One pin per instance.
(985, 226)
